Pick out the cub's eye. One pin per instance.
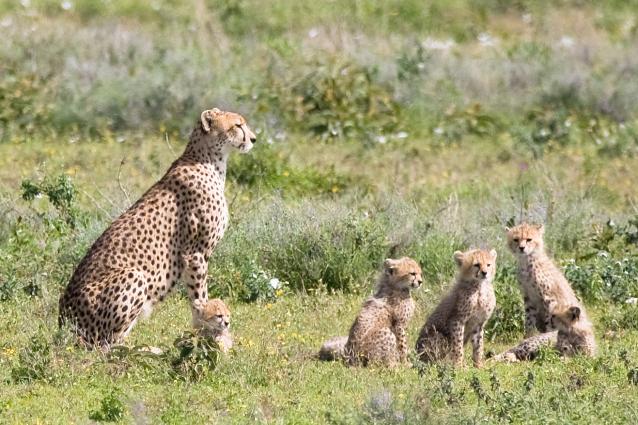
(489, 265)
(477, 265)
(238, 125)
(516, 240)
(413, 273)
(529, 240)
(219, 316)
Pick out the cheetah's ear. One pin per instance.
(207, 118)
(540, 228)
(574, 312)
(507, 229)
(389, 266)
(459, 257)
(493, 254)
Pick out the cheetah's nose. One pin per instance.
(521, 248)
(253, 139)
(226, 323)
(483, 273)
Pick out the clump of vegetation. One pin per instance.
(59, 190)
(34, 362)
(197, 356)
(332, 100)
(111, 409)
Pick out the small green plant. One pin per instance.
(60, 192)
(33, 362)
(111, 408)
(507, 320)
(198, 355)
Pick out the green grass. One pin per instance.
(385, 129)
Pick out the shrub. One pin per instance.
(111, 409)
(197, 356)
(604, 278)
(332, 100)
(33, 362)
(269, 169)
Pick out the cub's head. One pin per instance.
(565, 317)
(215, 316)
(525, 238)
(476, 265)
(227, 128)
(404, 273)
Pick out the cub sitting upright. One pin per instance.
(542, 283)
(167, 236)
(462, 314)
(378, 335)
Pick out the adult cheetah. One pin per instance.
(379, 333)
(168, 235)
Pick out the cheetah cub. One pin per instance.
(378, 335)
(575, 335)
(542, 283)
(462, 314)
(214, 321)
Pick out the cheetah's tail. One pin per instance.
(333, 349)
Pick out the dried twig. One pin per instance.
(119, 181)
(168, 143)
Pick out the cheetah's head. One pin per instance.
(565, 317)
(403, 273)
(227, 128)
(215, 316)
(476, 265)
(525, 239)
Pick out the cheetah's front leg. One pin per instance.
(194, 276)
(456, 336)
(530, 317)
(477, 347)
(402, 341)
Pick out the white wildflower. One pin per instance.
(274, 283)
(313, 32)
(66, 5)
(632, 301)
(434, 44)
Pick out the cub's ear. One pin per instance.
(540, 228)
(208, 117)
(574, 312)
(507, 229)
(389, 266)
(458, 258)
(493, 253)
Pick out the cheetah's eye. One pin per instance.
(489, 265)
(238, 125)
(413, 273)
(516, 240)
(529, 240)
(477, 265)
(219, 316)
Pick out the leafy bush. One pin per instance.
(624, 318)
(604, 278)
(111, 409)
(198, 355)
(332, 100)
(33, 362)
(267, 168)
(60, 191)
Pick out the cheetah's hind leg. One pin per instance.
(120, 304)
